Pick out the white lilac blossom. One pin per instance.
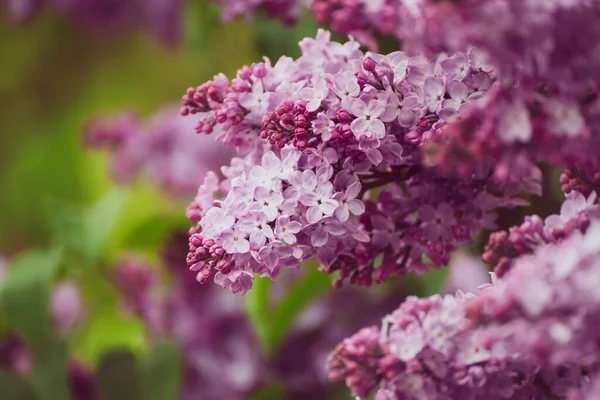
(316, 135)
(159, 149)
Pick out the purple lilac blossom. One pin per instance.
(160, 149)
(546, 306)
(544, 104)
(504, 247)
(315, 136)
(161, 18)
(422, 351)
(430, 349)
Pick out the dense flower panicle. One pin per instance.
(547, 305)
(583, 180)
(504, 247)
(316, 135)
(423, 351)
(544, 105)
(517, 36)
(288, 11)
(162, 19)
(160, 149)
(430, 349)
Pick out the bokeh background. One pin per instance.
(63, 217)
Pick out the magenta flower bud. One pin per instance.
(259, 70)
(300, 132)
(369, 64)
(196, 240)
(208, 243)
(300, 121)
(213, 93)
(343, 115)
(245, 73)
(344, 131)
(282, 109)
(221, 264)
(220, 117)
(362, 78)
(301, 107)
(287, 121)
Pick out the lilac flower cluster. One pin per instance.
(504, 247)
(423, 352)
(544, 105)
(530, 335)
(160, 149)
(317, 135)
(547, 305)
(222, 360)
(162, 19)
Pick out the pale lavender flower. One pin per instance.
(286, 228)
(315, 95)
(367, 121)
(348, 203)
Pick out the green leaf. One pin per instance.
(15, 387)
(161, 372)
(258, 309)
(86, 230)
(272, 323)
(150, 234)
(275, 391)
(118, 376)
(24, 301)
(108, 330)
(311, 285)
